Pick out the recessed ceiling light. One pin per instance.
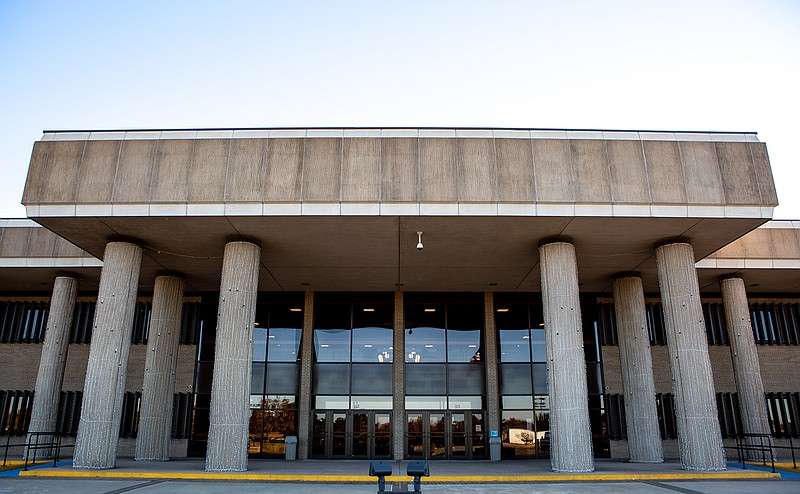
(526, 337)
(324, 345)
(296, 310)
(541, 324)
(369, 310)
(502, 310)
(428, 346)
(473, 346)
(367, 346)
(430, 310)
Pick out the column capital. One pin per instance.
(560, 239)
(626, 274)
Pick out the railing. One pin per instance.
(34, 443)
(763, 447)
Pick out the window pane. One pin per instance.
(463, 345)
(282, 315)
(517, 402)
(466, 378)
(331, 379)
(372, 344)
(259, 345)
(284, 344)
(331, 402)
(511, 316)
(515, 379)
(373, 315)
(466, 402)
(425, 316)
(515, 345)
(332, 345)
(540, 379)
(465, 316)
(257, 379)
(426, 402)
(537, 342)
(372, 402)
(282, 378)
(372, 379)
(280, 401)
(425, 344)
(594, 378)
(427, 379)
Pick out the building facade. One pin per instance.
(400, 293)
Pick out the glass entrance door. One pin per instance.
(445, 435)
(351, 434)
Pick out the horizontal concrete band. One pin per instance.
(742, 263)
(50, 262)
(401, 133)
(398, 209)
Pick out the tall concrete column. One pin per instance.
(306, 367)
(155, 412)
(398, 375)
(699, 437)
(571, 436)
(644, 436)
(745, 361)
(54, 357)
(104, 387)
(228, 432)
(490, 361)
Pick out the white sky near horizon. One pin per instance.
(670, 65)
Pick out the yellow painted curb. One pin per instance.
(552, 477)
(14, 464)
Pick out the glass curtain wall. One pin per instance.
(276, 375)
(352, 376)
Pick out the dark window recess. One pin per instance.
(191, 322)
(141, 323)
(775, 323)
(665, 407)
(182, 415)
(783, 410)
(16, 409)
(23, 322)
(716, 329)
(730, 418)
(82, 320)
(129, 425)
(655, 323)
(69, 413)
(617, 427)
(606, 323)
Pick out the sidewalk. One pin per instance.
(356, 471)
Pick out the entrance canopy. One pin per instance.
(338, 209)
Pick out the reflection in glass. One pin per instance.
(284, 344)
(515, 345)
(425, 345)
(327, 402)
(332, 345)
(540, 379)
(465, 402)
(331, 379)
(371, 379)
(372, 345)
(426, 379)
(259, 345)
(463, 345)
(257, 379)
(371, 402)
(426, 402)
(538, 345)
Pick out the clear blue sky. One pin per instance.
(677, 65)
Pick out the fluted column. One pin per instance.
(745, 361)
(54, 357)
(230, 388)
(306, 367)
(104, 387)
(490, 361)
(571, 437)
(398, 375)
(644, 436)
(155, 412)
(699, 438)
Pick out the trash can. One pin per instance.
(291, 447)
(495, 444)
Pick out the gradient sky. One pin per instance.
(668, 65)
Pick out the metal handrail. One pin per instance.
(33, 443)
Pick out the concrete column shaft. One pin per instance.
(104, 387)
(490, 361)
(155, 412)
(699, 438)
(54, 357)
(228, 432)
(306, 367)
(746, 366)
(644, 436)
(398, 374)
(571, 437)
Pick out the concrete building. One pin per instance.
(400, 293)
